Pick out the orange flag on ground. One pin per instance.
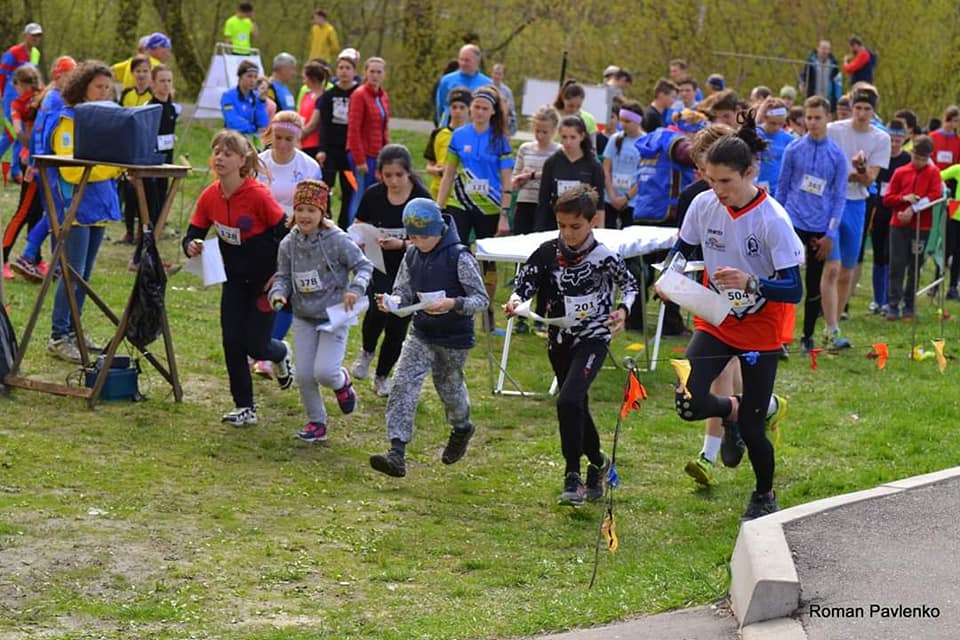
(938, 345)
(881, 353)
(633, 393)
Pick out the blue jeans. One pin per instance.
(364, 180)
(82, 246)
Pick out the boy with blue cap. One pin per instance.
(439, 270)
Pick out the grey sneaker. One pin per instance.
(360, 368)
(382, 385)
(391, 463)
(64, 348)
(241, 416)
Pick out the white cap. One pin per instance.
(611, 70)
(350, 54)
(33, 29)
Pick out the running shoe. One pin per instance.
(382, 385)
(241, 416)
(574, 493)
(313, 432)
(285, 369)
(773, 420)
(595, 477)
(760, 505)
(391, 463)
(346, 396)
(701, 470)
(65, 348)
(360, 368)
(457, 444)
(731, 446)
(27, 268)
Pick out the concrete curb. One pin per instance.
(764, 586)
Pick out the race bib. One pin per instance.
(165, 142)
(739, 299)
(622, 181)
(478, 187)
(565, 185)
(230, 235)
(944, 157)
(341, 110)
(813, 184)
(307, 281)
(291, 103)
(578, 308)
(884, 187)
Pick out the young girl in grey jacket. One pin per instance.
(314, 264)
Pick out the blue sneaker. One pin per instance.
(313, 432)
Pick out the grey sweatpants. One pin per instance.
(417, 359)
(903, 251)
(319, 357)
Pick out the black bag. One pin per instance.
(146, 310)
(107, 132)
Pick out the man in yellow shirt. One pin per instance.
(323, 38)
(240, 29)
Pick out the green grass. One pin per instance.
(154, 520)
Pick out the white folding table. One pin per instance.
(631, 242)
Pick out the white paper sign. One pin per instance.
(208, 266)
(338, 316)
(709, 305)
(367, 238)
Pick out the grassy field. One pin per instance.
(154, 520)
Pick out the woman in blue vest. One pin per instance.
(91, 81)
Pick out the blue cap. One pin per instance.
(157, 41)
(422, 217)
(716, 81)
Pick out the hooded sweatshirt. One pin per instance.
(313, 271)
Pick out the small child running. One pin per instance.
(313, 267)
(443, 334)
(577, 276)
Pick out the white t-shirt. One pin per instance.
(875, 144)
(283, 178)
(758, 240)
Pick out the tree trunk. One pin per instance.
(183, 48)
(125, 41)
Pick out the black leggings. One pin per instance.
(394, 330)
(880, 237)
(708, 356)
(617, 218)
(953, 250)
(29, 212)
(246, 321)
(523, 218)
(811, 305)
(575, 368)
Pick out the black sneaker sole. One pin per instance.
(382, 464)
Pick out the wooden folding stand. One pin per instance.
(136, 174)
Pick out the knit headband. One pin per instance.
(311, 192)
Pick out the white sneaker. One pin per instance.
(285, 369)
(241, 416)
(382, 385)
(65, 348)
(360, 368)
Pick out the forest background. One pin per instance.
(918, 62)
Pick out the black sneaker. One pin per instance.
(574, 492)
(760, 505)
(390, 463)
(732, 446)
(595, 477)
(457, 445)
(806, 345)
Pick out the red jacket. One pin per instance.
(246, 224)
(907, 180)
(946, 149)
(367, 126)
